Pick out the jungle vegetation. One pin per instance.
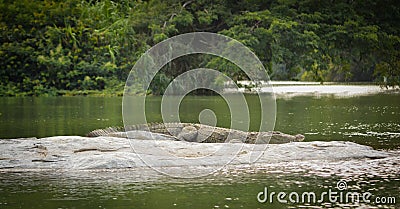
(61, 47)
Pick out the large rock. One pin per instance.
(75, 153)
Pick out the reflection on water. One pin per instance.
(372, 120)
(50, 116)
(122, 190)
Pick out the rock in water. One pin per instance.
(75, 153)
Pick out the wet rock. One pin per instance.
(83, 153)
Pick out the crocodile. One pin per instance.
(193, 132)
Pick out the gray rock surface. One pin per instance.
(75, 153)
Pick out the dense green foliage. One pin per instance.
(53, 46)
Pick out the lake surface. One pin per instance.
(372, 120)
(122, 190)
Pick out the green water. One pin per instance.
(123, 190)
(373, 120)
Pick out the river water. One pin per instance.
(372, 120)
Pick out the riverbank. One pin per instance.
(65, 93)
(279, 88)
(300, 88)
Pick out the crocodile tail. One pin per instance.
(105, 131)
(111, 130)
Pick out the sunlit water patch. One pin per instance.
(121, 190)
(372, 120)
